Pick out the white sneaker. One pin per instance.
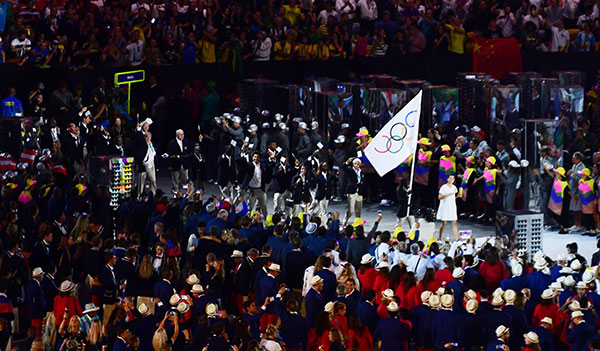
(579, 229)
(574, 227)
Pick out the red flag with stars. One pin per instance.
(496, 56)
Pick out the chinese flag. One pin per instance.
(496, 56)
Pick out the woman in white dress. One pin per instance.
(447, 209)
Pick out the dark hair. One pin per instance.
(370, 294)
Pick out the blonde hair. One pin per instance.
(271, 331)
(80, 229)
(74, 322)
(95, 333)
(318, 264)
(146, 267)
(159, 339)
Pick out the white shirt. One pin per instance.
(256, 176)
(136, 51)
(135, 8)
(262, 49)
(24, 45)
(382, 249)
(368, 10)
(419, 265)
(150, 154)
(342, 8)
(180, 143)
(323, 15)
(560, 38)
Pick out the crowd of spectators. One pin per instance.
(84, 34)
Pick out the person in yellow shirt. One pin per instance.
(292, 13)
(321, 50)
(282, 49)
(207, 46)
(302, 50)
(457, 36)
(335, 48)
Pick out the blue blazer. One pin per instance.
(314, 303)
(294, 327)
(392, 333)
(36, 300)
(268, 288)
(163, 291)
(329, 284)
(368, 316)
(119, 345)
(579, 336)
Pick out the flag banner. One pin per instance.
(27, 156)
(496, 56)
(397, 140)
(57, 169)
(7, 164)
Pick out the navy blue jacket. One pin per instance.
(329, 283)
(36, 300)
(537, 282)
(420, 317)
(254, 320)
(163, 290)
(314, 303)
(579, 336)
(447, 328)
(458, 287)
(109, 286)
(119, 345)
(493, 320)
(519, 325)
(367, 313)
(295, 264)
(474, 331)
(268, 288)
(495, 345)
(514, 283)
(392, 333)
(546, 338)
(257, 278)
(294, 327)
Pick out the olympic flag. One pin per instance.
(397, 140)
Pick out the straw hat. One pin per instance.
(425, 295)
(143, 309)
(498, 292)
(517, 270)
(497, 301)
(566, 270)
(393, 307)
(192, 279)
(183, 307)
(581, 285)
(471, 295)
(547, 320)
(275, 267)
(381, 265)
(547, 294)
(569, 281)
(472, 306)
(501, 330)
(575, 265)
(211, 309)
(329, 307)
(540, 264)
(175, 300)
(237, 254)
(575, 306)
(556, 286)
(576, 314)
(387, 293)
(366, 259)
(315, 280)
(447, 300)
(458, 273)
(434, 301)
(66, 286)
(90, 307)
(37, 272)
(588, 276)
(510, 295)
(197, 288)
(532, 338)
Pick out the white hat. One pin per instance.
(192, 279)
(540, 264)
(556, 286)
(366, 258)
(302, 125)
(278, 117)
(90, 307)
(581, 285)
(547, 320)
(275, 267)
(514, 164)
(143, 309)
(434, 301)
(441, 291)
(524, 163)
(311, 228)
(497, 301)
(314, 125)
(282, 126)
(175, 300)
(472, 306)
(237, 254)
(561, 256)
(538, 255)
(387, 293)
(425, 295)
(575, 265)
(574, 305)
(340, 139)
(147, 121)
(566, 270)
(569, 281)
(329, 307)
(183, 307)
(588, 276)
(458, 273)
(510, 295)
(447, 300)
(561, 279)
(382, 264)
(393, 307)
(252, 128)
(67, 285)
(498, 292)
(501, 330)
(197, 288)
(315, 280)
(517, 270)
(576, 314)
(237, 119)
(476, 129)
(211, 309)
(37, 271)
(532, 337)
(547, 294)
(471, 294)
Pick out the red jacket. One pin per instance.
(443, 275)
(367, 279)
(493, 275)
(551, 311)
(61, 302)
(381, 283)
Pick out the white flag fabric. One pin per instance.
(397, 140)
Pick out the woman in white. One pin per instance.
(447, 209)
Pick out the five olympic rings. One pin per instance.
(397, 137)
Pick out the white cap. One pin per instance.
(302, 125)
(237, 119)
(514, 164)
(458, 273)
(147, 121)
(314, 125)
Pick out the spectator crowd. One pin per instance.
(86, 34)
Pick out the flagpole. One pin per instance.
(415, 159)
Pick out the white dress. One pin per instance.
(447, 210)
